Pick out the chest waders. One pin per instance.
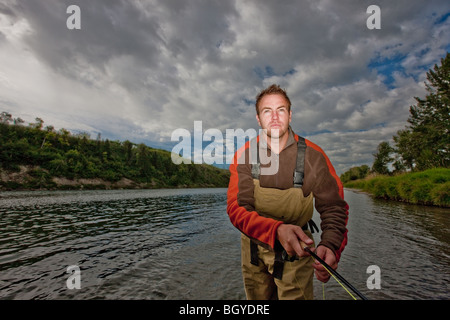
(289, 206)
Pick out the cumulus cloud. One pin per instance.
(139, 70)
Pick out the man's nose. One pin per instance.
(275, 114)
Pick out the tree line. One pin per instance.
(424, 143)
(59, 153)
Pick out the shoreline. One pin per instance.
(26, 180)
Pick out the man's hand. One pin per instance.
(328, 256)
(290, 236)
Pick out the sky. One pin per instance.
(141, 70)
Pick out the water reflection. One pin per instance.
(179, 244)
(409, 243)
(106, 233)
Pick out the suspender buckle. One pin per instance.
(298, 179)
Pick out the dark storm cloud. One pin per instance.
(154, 66)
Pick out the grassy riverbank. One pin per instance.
(429, 187)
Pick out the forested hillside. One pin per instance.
(36, 157)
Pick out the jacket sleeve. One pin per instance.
(240, 204)
(329, 199)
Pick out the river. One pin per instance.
(179, 244)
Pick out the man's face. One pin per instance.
(274, 115)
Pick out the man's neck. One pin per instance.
(276, 144)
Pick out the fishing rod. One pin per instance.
(335, 273)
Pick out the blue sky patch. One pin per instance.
(442, 18)
(387, 67)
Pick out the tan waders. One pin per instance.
(266, 275)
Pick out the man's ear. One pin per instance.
(259, 122)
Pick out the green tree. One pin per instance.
(425, 142)
(58, 167)
(407, 148)
(355, 173)
(143, 161)
(106, 150)
(128, 149)
(5, 117)
(382, 158)
(63, 138)
(38, 124)
(18, 121)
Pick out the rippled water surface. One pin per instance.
(179, 244)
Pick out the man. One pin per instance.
(271, 203)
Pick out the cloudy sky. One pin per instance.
(139, 70)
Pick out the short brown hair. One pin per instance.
(273, 89)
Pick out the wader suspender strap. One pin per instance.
(254, 253)
(278, 263)
(299, 174)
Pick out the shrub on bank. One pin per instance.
(440, 194)
(430, 187)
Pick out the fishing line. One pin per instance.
(336, 275)
(323, 284)
(337, 282)
(323, 290)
